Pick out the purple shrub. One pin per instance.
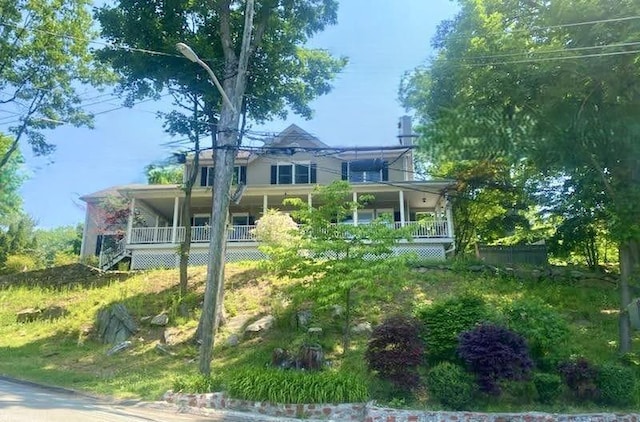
(395, 351)
(580, 376)
(494, 353)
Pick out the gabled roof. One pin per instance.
(293, 135)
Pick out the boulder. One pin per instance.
(28, 315)
(119, 347)
(263, 324)
(303, 318)
(233, 340)
(362, 328)
(115, 325)
(160, 320)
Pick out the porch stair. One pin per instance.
(112, 255)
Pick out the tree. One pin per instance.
(334, 262)
(17, 238)
(10, 182)
(164, 175)
(552, 84)
(264, 69)
(51, 243)
(44, 57)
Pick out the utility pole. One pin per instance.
(225, 145)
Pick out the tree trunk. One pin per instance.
(185, 246)
(346, 341)
(629, 252)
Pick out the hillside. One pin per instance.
(64, 350)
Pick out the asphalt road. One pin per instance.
(26, 402)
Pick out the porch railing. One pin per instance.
(201, 234)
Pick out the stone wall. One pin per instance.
(370, 413)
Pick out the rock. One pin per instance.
(476, 268)
(28, 315)
(536, 274)
(233, 340)
(160, 320)
(315, 330)
(310, 357)
(576, 274)
(54, 312)
(263, 324)
(303, 318)
(115, 325)
(163, 349)
(337, 311)
(363, 327)
(119, 347)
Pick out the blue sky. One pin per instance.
(382, 39)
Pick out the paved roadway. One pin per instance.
(26, 402)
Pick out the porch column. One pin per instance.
(132, 211)
(401, 199)
(309, 200)
(176, 210)
(265, 204)
(355, 211)
(449, 213)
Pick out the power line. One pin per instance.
(548, 59)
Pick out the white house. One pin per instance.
(290, 165)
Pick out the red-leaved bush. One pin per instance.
(395, 351)
(494, 353)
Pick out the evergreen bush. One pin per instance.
(494, 353)
(444, 321)
(451, 385)
(617, 385)
(548, 386)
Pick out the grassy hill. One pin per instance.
(64, 351)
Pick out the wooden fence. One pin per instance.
(514, 255)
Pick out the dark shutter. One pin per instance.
(243, 174)
(314, 171)
(203, 176)
(211, 176)
(385, 171)
(274, 175)
(345, 171)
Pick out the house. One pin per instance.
(147, 230)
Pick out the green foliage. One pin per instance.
(278, 236)
(445, 320)
(617, 385)
(581, 376)
(164, 175)
(58, 245)
(544, 329)
(20, 263)
(451, 385)
(548, 386)
(11, 178)
(198, 384)
(45, 58)
(18, 239)
(334, 262)
(280, 386)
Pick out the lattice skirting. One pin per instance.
(168, 258)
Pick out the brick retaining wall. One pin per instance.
(369, 413)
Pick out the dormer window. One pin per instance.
(298, 173)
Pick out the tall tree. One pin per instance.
(10, 181)
(257, 49)
(44, 58)
(554, 84)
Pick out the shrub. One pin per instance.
(580, 376)
(395, 351)
(549, 387)
(197, 384)
(64, 258)
(617, 385)
(444, 321)
(20, 263)
(494, 353)
(279, 386)
(543, 328)
(450, 385)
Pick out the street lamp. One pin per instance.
(188, 52)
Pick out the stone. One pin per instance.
(337, 311)
(363, 327)
(119, 347)
(163, 349)
(476, 268)
(315, 330)
(28, 315)
(263, 324)
(303, 318)
(233, 340)
(115, 325)
(160, 320)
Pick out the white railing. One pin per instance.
(201, 234)
(109, 256)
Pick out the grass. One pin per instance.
(65, 351)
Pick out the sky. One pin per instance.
(382, 39)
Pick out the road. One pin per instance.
(25, 402)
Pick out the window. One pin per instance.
(361, 171)
(296, 173)
(239, 175)
(240, 219)
(201, 220)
